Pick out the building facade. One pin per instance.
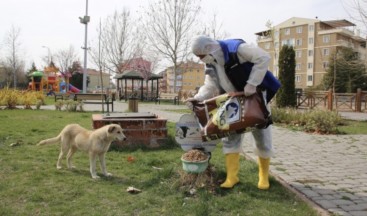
(314, 41)
(189, 77)
(95, 83)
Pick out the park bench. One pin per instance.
(168, 97)
(88, 98)
(63, 96)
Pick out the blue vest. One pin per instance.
(239, 73)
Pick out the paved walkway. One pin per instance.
(329, 170)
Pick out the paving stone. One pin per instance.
(327, 204)
(358, 213)
(310, 193)
(355, 207)
(342, 202)
(339, 212)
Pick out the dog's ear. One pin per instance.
(111, 128)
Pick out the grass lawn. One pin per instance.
(353, 127)
(30, 184)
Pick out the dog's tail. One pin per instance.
(50, 141)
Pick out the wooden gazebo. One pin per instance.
(126, 92)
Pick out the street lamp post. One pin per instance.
(84, 20)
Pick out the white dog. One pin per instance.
(95, 143)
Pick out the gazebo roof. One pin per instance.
(133, 74)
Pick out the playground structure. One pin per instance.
(51, 81)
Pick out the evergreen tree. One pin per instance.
(286, 96)
(76, 78)
(348, 70)
(33, 68)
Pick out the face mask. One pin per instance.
(208, 59)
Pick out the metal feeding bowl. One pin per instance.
(195, 161)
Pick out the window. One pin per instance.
(325, 51)
(298, 66)
(299, 29)
(310, 40)
(276, 44)
(276, 33)
(299, 42)
(325, 65)
(310, 53)
(298, 54)
(298, 78)
(311, 27)
(287, 31)
(326, 38)
(289, 42)
(309, 65)
(309, 78)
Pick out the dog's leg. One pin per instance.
(71, 152)
(63, 150)
(58, 165)
(92, 161)
(103, 165)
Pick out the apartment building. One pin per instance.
(189, 77)
(314, 41)
(95, 83)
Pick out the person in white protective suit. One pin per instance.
(218, 55)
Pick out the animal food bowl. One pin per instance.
(195, 161)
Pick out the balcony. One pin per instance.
(263, 39)
(342, 31)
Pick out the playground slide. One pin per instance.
(73, 89)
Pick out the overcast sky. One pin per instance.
(55, 23)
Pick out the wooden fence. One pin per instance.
(349, 102)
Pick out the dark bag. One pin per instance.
(231, 113)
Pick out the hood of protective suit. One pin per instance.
(203, 45)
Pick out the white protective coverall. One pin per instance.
(246, 53)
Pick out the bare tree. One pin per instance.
(214, 28)
(98, 54)
(65, 59)
(13, 62)
(118, 42)
(168, 25)
(357, 10)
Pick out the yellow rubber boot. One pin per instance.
(263, 173)
(232, 167)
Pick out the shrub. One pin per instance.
(12, 97)
(71, 106)
(81, 106)
(321, 121)
(59, 104)
(9, 98)
(40, 97)
(318, 121)
(27, 99)
(39, 104)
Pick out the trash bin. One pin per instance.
(133, 104)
